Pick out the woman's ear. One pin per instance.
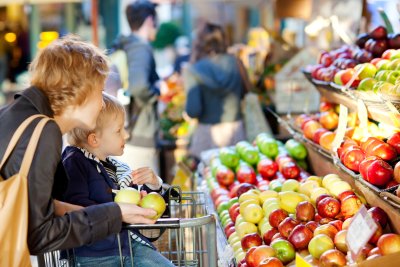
(92, 140)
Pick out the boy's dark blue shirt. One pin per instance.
(89, 184)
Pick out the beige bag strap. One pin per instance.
(30, 151)
(17, 136)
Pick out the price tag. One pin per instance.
(361, 228)
(341, 130)
(362, 117)
(301, 262)
(393, 114)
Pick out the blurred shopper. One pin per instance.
(67, 80)
(94, 172)
(182, 47)
(144, 85)
(3, 60)
(214, 91)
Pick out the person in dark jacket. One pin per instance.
(144, 84)
(214, 92)
(94, 173)
(67, 79)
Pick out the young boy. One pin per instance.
(94, 174)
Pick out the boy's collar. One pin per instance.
(91, 156)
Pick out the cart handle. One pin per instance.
(173, 223)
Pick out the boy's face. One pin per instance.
(111, 139)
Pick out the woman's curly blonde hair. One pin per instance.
(68, 71)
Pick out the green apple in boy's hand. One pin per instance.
(155, 202)
(127, 195)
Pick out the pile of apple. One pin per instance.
(379, 75)
(266, 227)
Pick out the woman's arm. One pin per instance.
(61, 208)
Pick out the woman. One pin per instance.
(215, 89)
(67, 79)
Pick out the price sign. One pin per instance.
(301, 262)
(393, 114)
(361, 228)
(362, 117)
(341, 130)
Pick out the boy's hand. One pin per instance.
(145, 175)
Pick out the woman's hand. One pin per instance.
(145, 175)
(134, 214)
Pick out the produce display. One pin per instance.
(271, 208)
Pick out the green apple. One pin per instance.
(366, 84)
(268, 146)
(285, 251)
(223, 206)
(240, 146)
(232, 201)
(382, 86)
(394, 64)
(229, 157)
(368, 71)
(382, 75)
(250, 155)
(154, 201)
(395, 55)
(393, 76)
(127, 195)
(383, 64)
(275, 185)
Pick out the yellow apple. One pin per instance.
(270, 208)
(264, 226)
(233, 238)
(246, 196)
(288, 201)
(307, 187)
(338, 187)
(253, 213)
(290, 185)
(316, 192)
(240, 256)
(245, 228)
(267, 194)
(244, 204)
(329, 178)
(155, 202)
(315, 178)
(127, 195)
(239, 220)
(237, 245)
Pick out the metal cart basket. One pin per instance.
(187, 237)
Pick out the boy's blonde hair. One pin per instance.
(68, 71)
(111, 110)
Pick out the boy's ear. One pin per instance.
(92, 140)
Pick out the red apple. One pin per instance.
(244, 187)
(370, 141)
(305, 211)
(350, 206)
(268, 235)
(379, 216)
(332, 258)
(242, 263)
(388, 53)
(229, 231)
(278, 236)
(391, 183)
(396, 172)
(365, 164)
(276, 217)
(225, 176)
(217, 192)
(246, 174)
(271, 262)
(384, 151)
(300, 237)
(258, 254)
(340, 241)
(220, 200)
(321, 197)
(301, 119)
(348, 142)
(389, 243)
(233, 189)
(352, 158)
(346, 223)
(375, 237)
(325, 220)
(328, 207)
(287, 226)
(267, 168)
(337, 223)
(329, 120)
(394, 141)
(344, 194)
(290, 170)
(375, 251)
(310, 128)
(251, 240)
(312, 225)
(317, 135)
(326, 106)
(362, 256)
(379, 173)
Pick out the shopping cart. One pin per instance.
(187, 237)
